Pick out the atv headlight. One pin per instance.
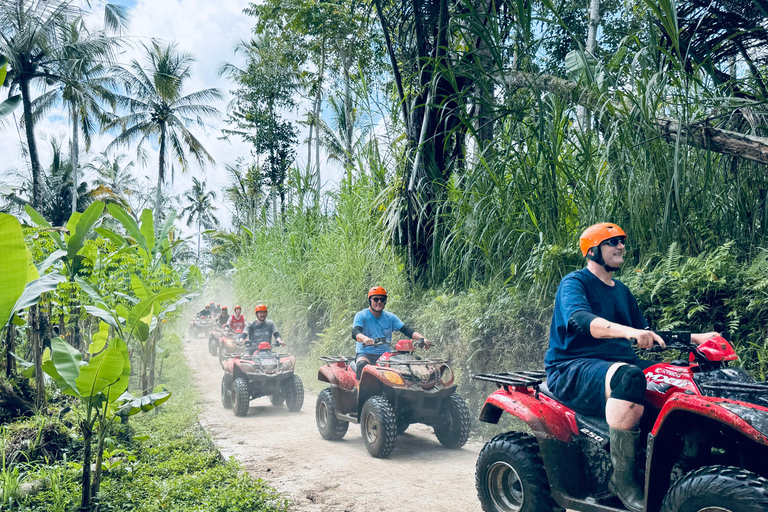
(446, 377)
(287, 364)
(394, 378)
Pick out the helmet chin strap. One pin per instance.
(600, 261)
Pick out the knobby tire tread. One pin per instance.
(241, 397)
(728, 486)
(457, 434)
(387, 427)
(337, 429)
(294, 397)
(523, 449)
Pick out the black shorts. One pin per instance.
(372, 358)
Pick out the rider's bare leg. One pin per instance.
(620, 413)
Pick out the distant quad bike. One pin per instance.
(214, 335)
(199, 327)
(707, 441)
(398, 390)
(266, 373)
(229, 344)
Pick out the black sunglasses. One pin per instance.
(615, 241)
(379, 299)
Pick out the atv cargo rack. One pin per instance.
(514, 379)
(412, 362)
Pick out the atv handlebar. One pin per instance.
(377, 342)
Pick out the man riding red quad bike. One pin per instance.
(200, 326)
(265, 373)
(397, 390)
(707, 441)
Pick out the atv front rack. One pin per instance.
(413, 362)
(514, 379)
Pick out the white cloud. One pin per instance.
(209, 31)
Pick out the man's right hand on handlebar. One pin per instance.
(644, 339)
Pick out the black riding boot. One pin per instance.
(623, 483)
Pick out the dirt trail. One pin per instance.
(286, 450)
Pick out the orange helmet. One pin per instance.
(260, 307)
(207, 307)
(597, 234)
(238, 307)
(377, 290)
(224, 308)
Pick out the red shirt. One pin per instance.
(237, 323)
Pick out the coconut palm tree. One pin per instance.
(31, 38)
(159, 113)
(83, 85)
(200, 209)
(245, 192)
(114, 181)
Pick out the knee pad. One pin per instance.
(361, 363)
(628, 383)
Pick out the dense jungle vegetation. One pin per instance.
(476, 140)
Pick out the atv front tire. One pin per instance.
(510, 476)
(294, 394)
(240, 397)
(212, 348)
(378, 425)
(721, 488)
(226, 392)
(330, 427)
(455, 423)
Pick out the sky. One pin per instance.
(209, 31)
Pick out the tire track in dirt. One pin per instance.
(286, 450)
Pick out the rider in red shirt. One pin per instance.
(237, 321)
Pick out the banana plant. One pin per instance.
(141, 322)
(9, 105)
(141, 237)
(21, 285)
(101, 384)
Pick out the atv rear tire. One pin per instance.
(212, 348)
(721, 488)
(221, 356)
(277, 399)
(294, 394)
(455, 423)
(330, 427)
(510, 476)
(241, 399)
(378, 425)
(226, 391)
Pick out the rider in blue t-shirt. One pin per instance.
(374, 322)
(591, 366)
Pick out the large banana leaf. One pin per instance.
(85, 222)
(142, 312)
(148, 229)
(99, 340)
(132, 405)
(14, 265)
(104, 369)
(117, 389)
(63, 365)
(35, 289)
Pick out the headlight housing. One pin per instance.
(287, 364)
(446, 376)
(394, 378)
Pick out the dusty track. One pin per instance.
(286, 450)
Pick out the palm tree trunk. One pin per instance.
(198, 239)
(160, 178)
(318, 99)
(74, 149)
(584, 113)
(34, 156)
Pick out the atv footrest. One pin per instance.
(514, 379)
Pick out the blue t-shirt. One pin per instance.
(373, 327)
(583, 291)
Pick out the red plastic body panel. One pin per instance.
(546, 417)
(710, 407)
(404, 346)
(666, 380)
(386, 355)
(339, 374)
(716, 349)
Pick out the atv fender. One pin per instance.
(547, 418)
(748, 419)
(683, 411)
(337, 376)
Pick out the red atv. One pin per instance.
(707, 441)
(214, 335)
(266, 373)
(199, 326)
(229, 344)
(398, 390)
